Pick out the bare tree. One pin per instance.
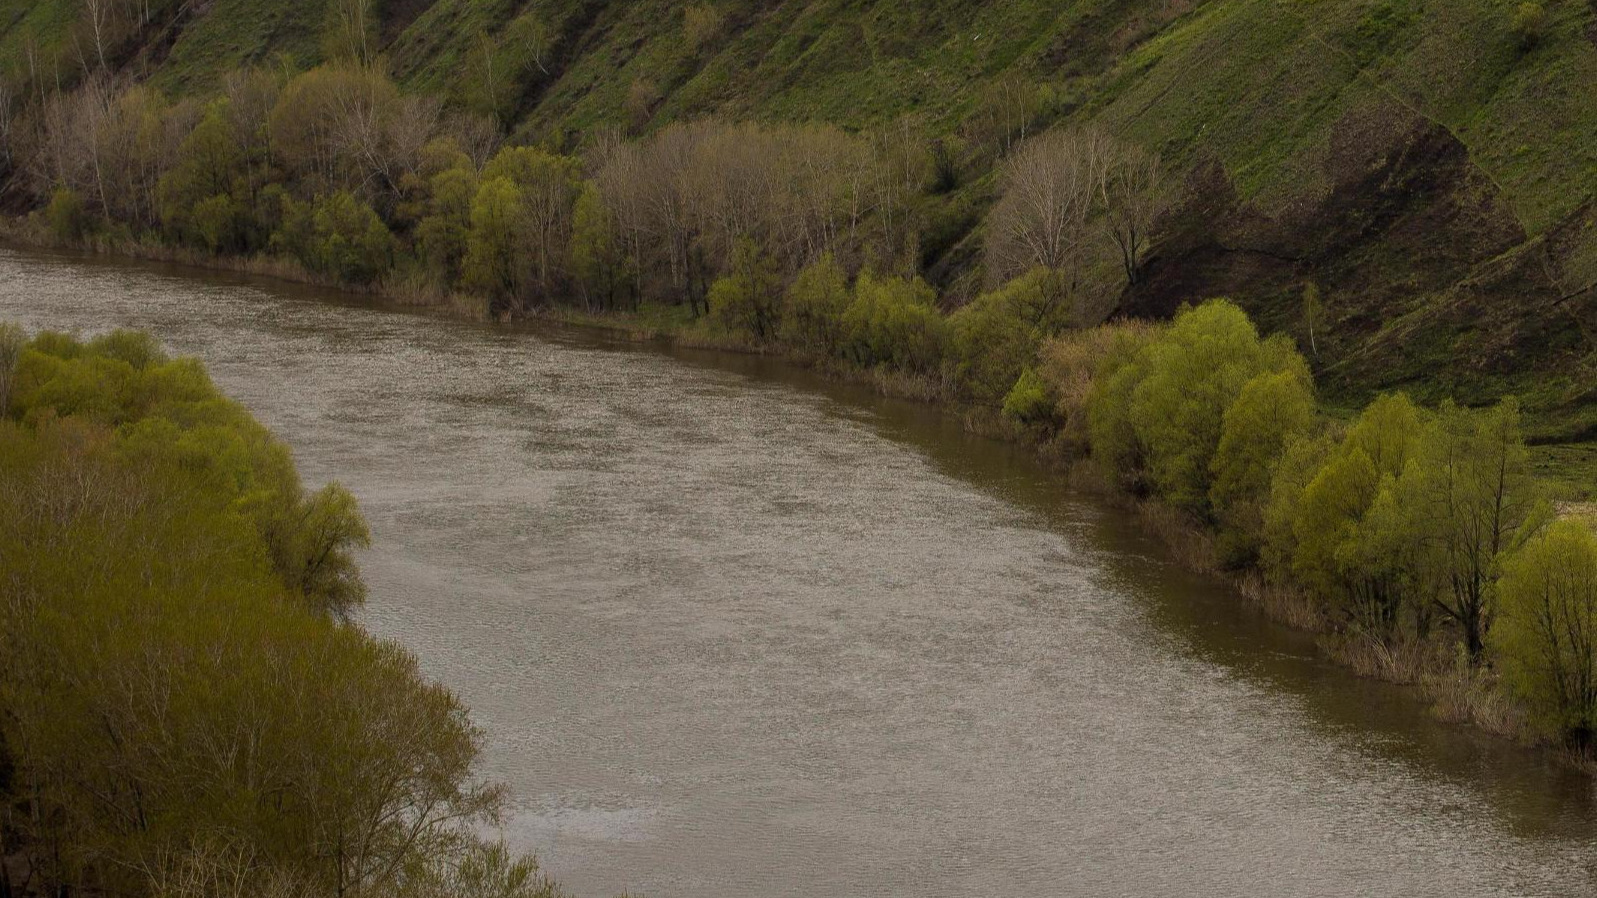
(1132, 199)
(1051, 187)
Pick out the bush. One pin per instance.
(339, 236)
(812, 311)
(1334, 520)
(216, 222)
(1530, 23)
(1071, 363)
(894, 322)
(1272, 410)
(995, 338)
(748, 300)
(166, 712)
(1029, 401)
(1165, 410)
(66, 216)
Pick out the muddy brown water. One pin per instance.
(735, 631)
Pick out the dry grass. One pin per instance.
(1474, 695)
(1189, 541)
(1282, 604)
(1405, 662)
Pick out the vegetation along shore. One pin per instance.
(1278, 351)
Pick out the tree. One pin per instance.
(812, 312)
(208, 161)
(350, 31)
(172, 725)
(893, 322)
(1132, 200)
(1336, 518)
(597, 259)
(1546, 633)
(68, 220)
(1006, 110)
(547, 186)
(441, 235)
(1050, 189)
(1473, 499)
(995, 338)
(748, 299)
(1272, 410)
(1193, 373)
(495, 263)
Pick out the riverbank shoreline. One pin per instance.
(1453, 691)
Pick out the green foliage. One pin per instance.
(1529, 24)
(194, 196)
(521, 222)
(68, 219)
(337, 236)
(167, 714)
(1029, 400)
(216, 221)
(496, 264)
(1166, 409)
(812, 312)
(441, 235)
(1362, 563)
(1546, 632)
(1471, 498)
(748, 299)
(598, 263)
(894, 322)
(995, 338)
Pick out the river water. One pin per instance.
(732, 631)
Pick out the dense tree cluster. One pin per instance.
(184, 709)
(1403, 525)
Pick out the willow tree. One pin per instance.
(1472, 498)
(1546, 633)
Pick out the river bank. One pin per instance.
(732, 627)
(1455, 691)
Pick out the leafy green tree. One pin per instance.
(995, 338)
(598, 261)
(208, 162)
(546, 186)
(442, 234)
(1272, 410)
(748, 299)
(67, 217)
(1116, 376)
(1343, 526)
(1187, 380)
(812, 312)
(1029, 401)
(215, 220)
(895, 322)
(1472, 499)
(496, 263)
(172, 725)
(1546, 633)
(338, 236)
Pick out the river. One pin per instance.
(735, 631)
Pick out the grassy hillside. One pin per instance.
(1424, 163)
